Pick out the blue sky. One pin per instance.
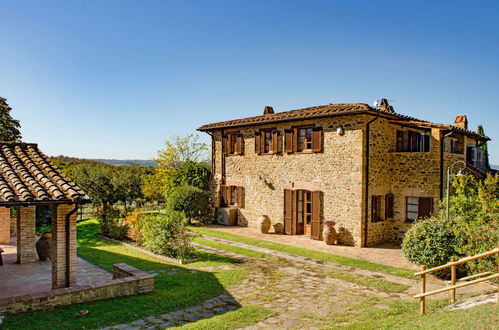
(114, 79)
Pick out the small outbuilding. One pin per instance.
(29, 179)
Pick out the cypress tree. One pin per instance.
(481, 132)
(9, 127)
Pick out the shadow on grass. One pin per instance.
(173, 290)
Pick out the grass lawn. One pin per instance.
(172, 292)
(232, 320)
(380, 313)
(401, 272)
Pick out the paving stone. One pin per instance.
(167, 325)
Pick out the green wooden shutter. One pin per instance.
(316, 215)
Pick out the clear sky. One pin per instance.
(113, 79)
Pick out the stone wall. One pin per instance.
(337, 172)
(127, 281)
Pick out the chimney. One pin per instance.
(384, 106)
(268, 110)
(461, 122)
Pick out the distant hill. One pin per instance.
(119, 162)
(127, 162)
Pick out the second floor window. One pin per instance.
(411, 141)
(267, 141)
(233, 143)
(304, 139)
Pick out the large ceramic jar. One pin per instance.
(329, 235)
(43, 246)
(264, 224)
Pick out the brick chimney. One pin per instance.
(268, 110)
(461, 122)
(384, 106)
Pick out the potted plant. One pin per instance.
(329, 233)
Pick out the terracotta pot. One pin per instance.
(43, 246)
(264, 224)
(278, 228)
(329, 235)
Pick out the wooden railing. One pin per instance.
(463, 282)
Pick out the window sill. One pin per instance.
(409, 152)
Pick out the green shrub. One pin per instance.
(193, 202)
(430, 242)
(166, 234)
(111, 224)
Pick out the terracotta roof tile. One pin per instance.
(327, 111)
(27, 176)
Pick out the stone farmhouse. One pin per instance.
(371, 170)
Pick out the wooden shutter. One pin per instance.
(223, 196)
(258, 143)
(400, 141)
(425, 207)
(317, 139)
(288, 140)
(288, 211)
(240, 197)
(224, 144)
(295, 139)
(316, 215)
(275, 145)
(239, 144)
(426, 143)
(389, 206)
(413, 141)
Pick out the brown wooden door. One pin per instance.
(316, 215)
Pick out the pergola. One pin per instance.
(29, 179)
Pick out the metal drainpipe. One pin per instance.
(366, 210)
(68, 244)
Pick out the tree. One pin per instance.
(179, 150)
(9, 127)
(189, 173)
(481, 132)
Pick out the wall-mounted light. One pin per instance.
(340, 130)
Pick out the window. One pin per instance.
(266, 141)
(376, 209)
(456, 146)
(389, 201)
(232, 196)
(411, 141)
(303, 139)
(418, 208)
(233, 143)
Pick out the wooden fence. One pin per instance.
(456, 283)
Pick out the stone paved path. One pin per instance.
(296, 290)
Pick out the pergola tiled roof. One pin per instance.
(28, 177)
(331, 110)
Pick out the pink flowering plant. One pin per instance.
(330, 224)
